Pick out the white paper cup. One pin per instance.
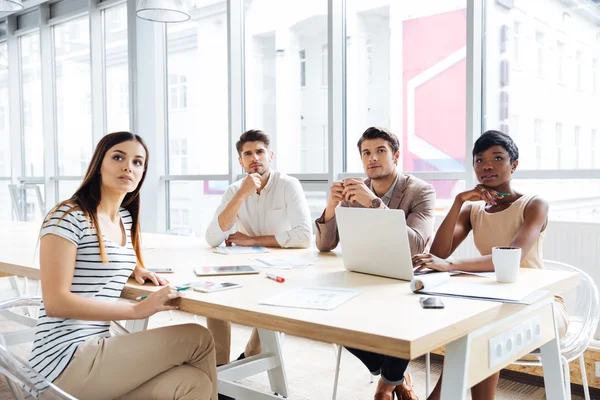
(507, 262)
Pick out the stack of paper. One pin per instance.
(480, 289)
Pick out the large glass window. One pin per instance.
(4, 119)
(5, 201)
(117, 69)
(406, 71)
(198, 92)
(33, 143)
(73, 96)
(286, 80)
(557, 122)
(192, 204)
(569, 199)
(66, 189)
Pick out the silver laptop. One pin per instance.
(375, 242)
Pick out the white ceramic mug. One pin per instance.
(507, 262)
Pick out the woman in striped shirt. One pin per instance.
(89, 247)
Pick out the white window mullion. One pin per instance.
(14, 99)
(98, 70)
(474, 107)
(336, 88)
(237, 112)
(48, 107)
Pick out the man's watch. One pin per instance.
(376, 202)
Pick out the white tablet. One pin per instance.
(211, 286)
(226, 270)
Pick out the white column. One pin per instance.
(235, 48)
(336, 37)
(357, 88)
(150, 112)
(287, 101)
(15, 99)
(98, 72)
(48, 109)
(397, 76)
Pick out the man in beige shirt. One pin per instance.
(384, 188)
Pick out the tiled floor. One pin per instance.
(312, 377)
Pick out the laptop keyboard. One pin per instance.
(425, 272)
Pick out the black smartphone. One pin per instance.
(431, 302)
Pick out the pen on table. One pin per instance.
(178, 289)
(275, 277)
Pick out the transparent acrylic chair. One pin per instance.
(583, 305)
(25, 382)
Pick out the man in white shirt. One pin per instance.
(267, 208)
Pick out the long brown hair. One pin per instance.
(87, 197)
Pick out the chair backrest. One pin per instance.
(583, 305)
(25, 382)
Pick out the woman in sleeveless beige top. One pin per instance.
(498, 215)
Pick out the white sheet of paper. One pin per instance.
(240, 250)
(484, 274)
(314, 298)
(490, 290)
(285, 262)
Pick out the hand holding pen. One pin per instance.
(481, 192)
(156, 302)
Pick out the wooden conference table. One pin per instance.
(385, 317)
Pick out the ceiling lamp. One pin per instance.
(161, 10)
(11, 5)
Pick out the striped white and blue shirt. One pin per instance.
(57, 339)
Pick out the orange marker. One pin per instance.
(275, 278)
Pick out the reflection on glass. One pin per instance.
(73, 96)
(286, 80)
(569, 199)
(4, 119)
(198, 91)
(117, 69)
(541, 91)
(192, 204)
(406, 71)
(32, 105)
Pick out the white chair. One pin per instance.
(583, 305)
(25, 382)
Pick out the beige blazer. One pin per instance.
(413, 195)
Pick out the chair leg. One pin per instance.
(338, 349)
(427, 374)
(567, 375)
(584, 382)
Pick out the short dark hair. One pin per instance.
(253, 135)
(379, 133)
(496, 138)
